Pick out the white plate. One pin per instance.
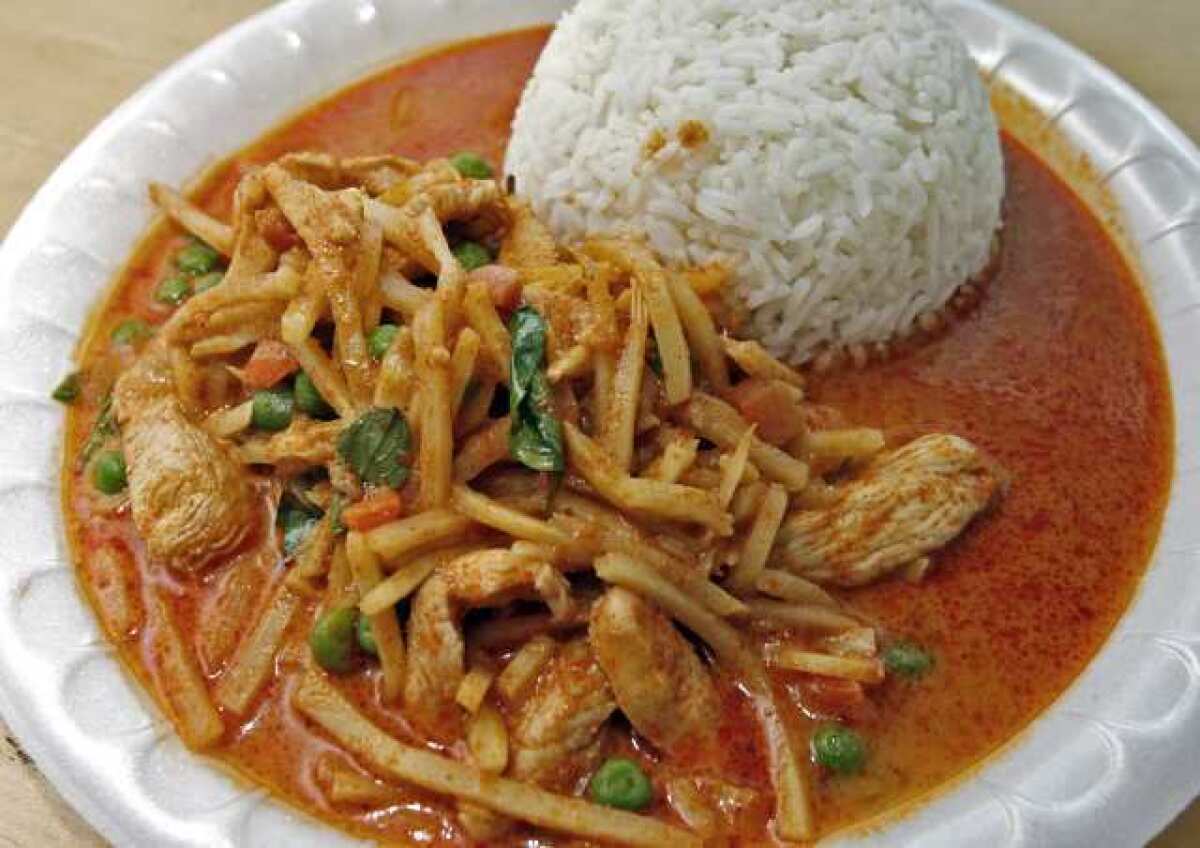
(1109, 764)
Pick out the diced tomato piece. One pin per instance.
(379, 507)
(270, 363)
(832, 696)
(276, 229)
(771, 406)
(504, 285)
(819, 417)
(410, 494)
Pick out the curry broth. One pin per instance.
(1057, 372)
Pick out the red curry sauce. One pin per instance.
(1057, 372)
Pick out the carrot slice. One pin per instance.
(276, 229)
(832, 696)
(270, 363)
(503, 285)
(768, 404)
(377, 508)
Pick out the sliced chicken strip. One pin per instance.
(256, 270)
(457, 201)
(416, 227)
(432, 173)
(907, 503)
(658, 680)
(435, 642)
(305, 442)
(191, 500)
(556, 739)
(375, 174)
(325, 220)
(331, 225)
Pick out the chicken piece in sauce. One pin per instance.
(556, 738)
(658, 680)
(906, 504)
(191, 500)
(435, 642)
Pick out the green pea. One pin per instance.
(68, 390)
(838, 748)
(471, 165)
(197, 258)
(207, 281)
(173, 290)
(621, 783)
(308, 399)
(472, 255)
(907, 660)
(108, 472)
(381, 339)
(366, 636)
(130, 332)
(332, 640)
(272, 409)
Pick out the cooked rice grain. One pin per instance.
(848, 167)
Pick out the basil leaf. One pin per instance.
(528, 332)
(535, 438)
(295, 521)
(376, 447)
(68, 389)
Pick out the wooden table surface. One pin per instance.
(67, 63)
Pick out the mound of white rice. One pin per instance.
(845, 161)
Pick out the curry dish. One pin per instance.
(449, 533)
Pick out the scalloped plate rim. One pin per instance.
(119, 824)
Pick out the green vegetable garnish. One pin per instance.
(207, 281)
(272, 409)
(376, 447)
(173, 290)
(295, 520)
(308, 399)
(197, 258)
(535, 439)
(907, 660)
(654, 358)
(131, 331)
(332, 639)
(381, 339)
(471, 165)
(366, 636)
(336, 505)
(621, 783)
(472, 255)
(108, 472)
(68, 390)
(838, 748)
(104, 426)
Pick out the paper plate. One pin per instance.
(1109, 764)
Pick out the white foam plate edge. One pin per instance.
(1111, 762)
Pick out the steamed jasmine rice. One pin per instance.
(840, 155)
